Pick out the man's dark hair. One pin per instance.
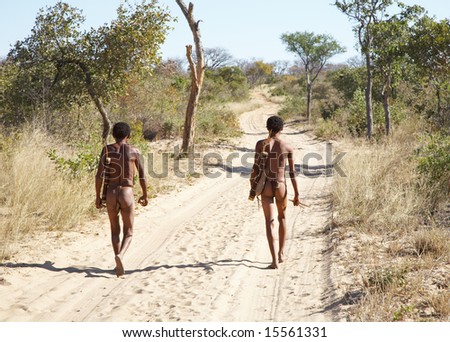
(121, 130)
(275, 124)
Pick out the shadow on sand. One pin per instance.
(95, 272)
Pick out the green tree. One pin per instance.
(348, 80)
(314, 51)
(96, 63)
(366, 13)
(390, 41)
(429, 48)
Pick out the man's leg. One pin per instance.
(113, 214)
(268, 208)
(281, 201)
(127, 211)
(126, 201)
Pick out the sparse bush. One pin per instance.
(327, 129)
(213, 122)
(225, 84)
(434, 159)
(294, 106)
(379, 280)
(85, 162)
(357, 118)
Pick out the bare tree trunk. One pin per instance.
(369, 114)
(308, 102)
(387, 114)
(189, 120)
(197, 73)
(386, 93)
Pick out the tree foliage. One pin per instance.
(369, 16)
(389, 53)
(429, 48)
(314, 51)
(76, 64)
(365, 13)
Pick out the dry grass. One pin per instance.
(399, 259)
(431, 242)
(440, 303)
(35, 194)
(403, 293)
(380, 190)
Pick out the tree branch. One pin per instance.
(191, 63)
(193, 24)
(92, 93)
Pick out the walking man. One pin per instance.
(118, 162)
(275, 190)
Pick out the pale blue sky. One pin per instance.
(246, 28)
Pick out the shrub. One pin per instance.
(434, 158)
(294, 106)
(213, 122)
(379, 280)
(357, 114)
(327, 129)
(84, 162)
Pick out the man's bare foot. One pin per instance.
(281, 258)
(119, 266)
(272, 266)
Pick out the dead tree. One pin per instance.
(197, 73)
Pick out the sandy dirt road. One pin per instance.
(198, 255)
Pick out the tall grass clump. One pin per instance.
(35, 194)
(379, 191)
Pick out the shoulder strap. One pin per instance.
(266, 141)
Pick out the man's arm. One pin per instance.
(143, 200)
(292, 175)
(99, 180)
